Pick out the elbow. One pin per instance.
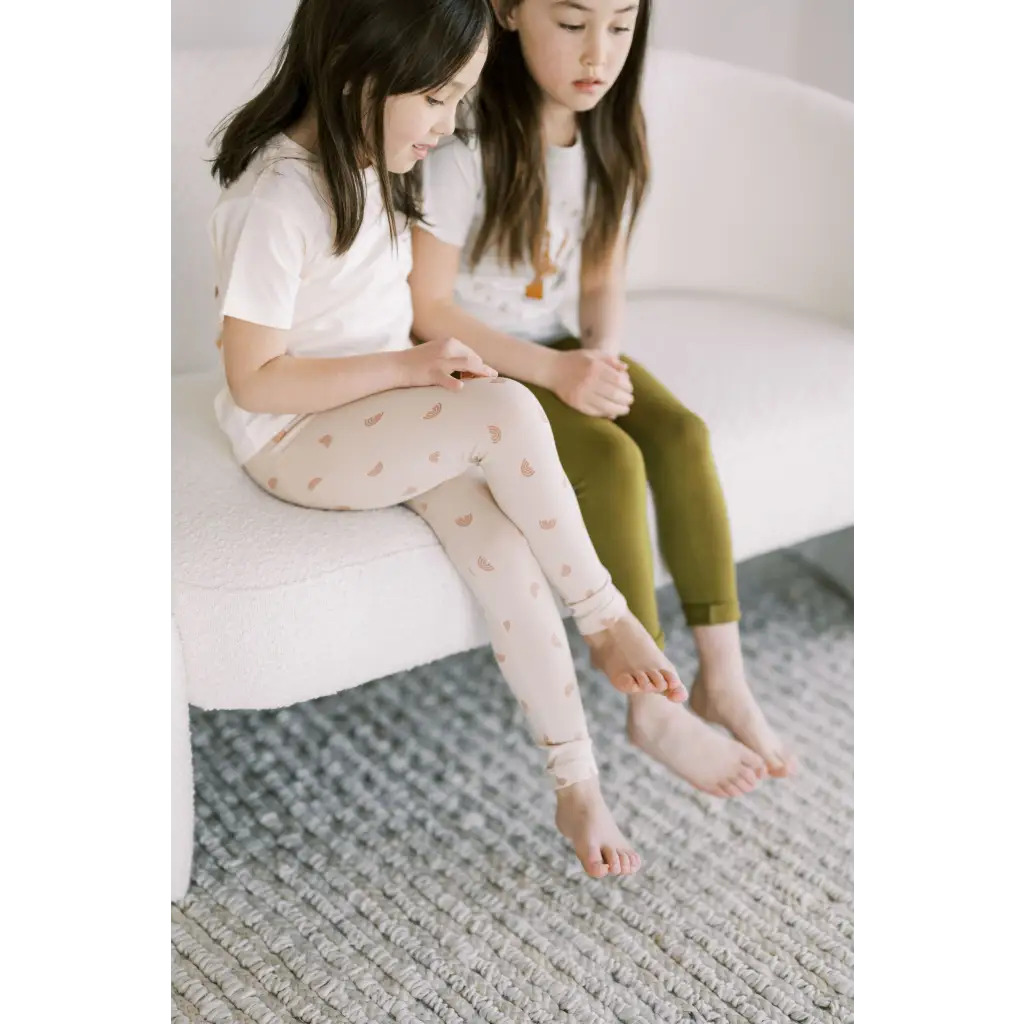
(262, 390)
(429, 319)
(245, 392)
(242, 397)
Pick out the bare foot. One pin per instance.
(631, 660)
(725, 699)
(584, 819)
(684, 744)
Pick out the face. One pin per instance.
(575, 49)
(415, 122)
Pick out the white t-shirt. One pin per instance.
(273, 237)
(516, 300)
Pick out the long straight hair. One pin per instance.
(508, 124)
(346, 57)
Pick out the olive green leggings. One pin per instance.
(610, 462)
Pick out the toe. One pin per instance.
(627, 862)
(656, 680)
(594, 864)
(672, 678)
(780, 766)
(748, 776)
(611, 858)
(743, 784)
(676, 691)
(730, 789)
(625, 683)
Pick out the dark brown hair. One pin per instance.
(346, 57)
(508, 125)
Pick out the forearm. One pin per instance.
(292, 385)
(512, 357)
(602, 317)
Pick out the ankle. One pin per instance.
(599, 610)
(720, 678)
(599, 640)
(719, 653)
(646, 710)
(583, 790)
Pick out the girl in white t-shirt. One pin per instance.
(541, 199)
(329, 406)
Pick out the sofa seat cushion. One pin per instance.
(275, 604)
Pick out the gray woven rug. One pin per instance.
(389, 853)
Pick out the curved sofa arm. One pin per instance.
(752, 188)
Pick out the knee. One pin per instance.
(683, 431)
(513, 401)
(614, 459)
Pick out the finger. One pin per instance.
(616, 377)
(615, 408)
(616, 364)
(608, 408)
(480, 368)
(463, 351)
(445, 380)
(471, 364)
(613, 394)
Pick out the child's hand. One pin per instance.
(594, 383)
(434, 362)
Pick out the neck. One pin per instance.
(303, 132)
(558, 124)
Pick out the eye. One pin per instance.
(571, 28)
(619, 30)
(434, 102)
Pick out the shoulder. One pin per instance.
(278, 186)
(291, 185)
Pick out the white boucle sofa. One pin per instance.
(741, 299)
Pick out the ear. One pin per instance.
(505, 12)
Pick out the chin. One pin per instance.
(580, 104)
(401, 165)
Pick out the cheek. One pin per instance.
(621, 52)
(402, 126)
(552, 58)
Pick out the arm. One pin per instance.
(262, 377)
(593, 383)
(435, 265)
(603, 300)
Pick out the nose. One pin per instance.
(595, 50)
(445, 125)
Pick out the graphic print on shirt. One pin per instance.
(544, 266)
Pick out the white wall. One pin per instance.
(199, 23)
(809, 40)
